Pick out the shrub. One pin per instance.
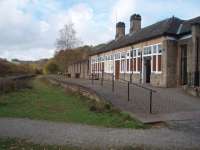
(100, 107)
(51, 68)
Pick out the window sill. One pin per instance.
(156, 72)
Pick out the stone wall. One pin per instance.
(80, 70)
(156, 80)
(195, 36)
(123, 76)
(171, 66)
(78, 89)
(189, 44)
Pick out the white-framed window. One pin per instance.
(123, 62)
(117, 56)
(135, 60)
(108, 63)
(128, 60)
(155, 52)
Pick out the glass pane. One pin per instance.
(134, 53)
(155, 49)
(159, 49)
(139, 52)
(159, 62)
(131, 53)
(150, 50)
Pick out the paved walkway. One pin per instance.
(84, 136)
(167, 103)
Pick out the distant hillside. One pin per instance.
(9, 69)
(38, 64)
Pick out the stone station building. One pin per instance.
(164, 54)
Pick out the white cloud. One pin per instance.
(29, 28)
(122, 10)
(23, 35)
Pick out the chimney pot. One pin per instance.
(120, 30)
(135, 23)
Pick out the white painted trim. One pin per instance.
(171, 38)
(179, 29)
(186, 37)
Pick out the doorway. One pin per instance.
(117, 64)
(184, 64)
(147, 70)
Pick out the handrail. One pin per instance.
(136, 84)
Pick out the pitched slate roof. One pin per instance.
(186, 26)
(170, 26)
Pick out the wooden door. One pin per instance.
(117, 63)
(148, 70)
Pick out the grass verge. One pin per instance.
(47, 102)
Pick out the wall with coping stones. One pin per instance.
(78, 89)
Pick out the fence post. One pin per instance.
(151, 101)
(128, 91)
(113, 86)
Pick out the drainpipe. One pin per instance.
(113, 68)
(197, 63)
(141, 66)
(131, 77)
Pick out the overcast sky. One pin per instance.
(29, 28)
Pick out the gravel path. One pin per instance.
(84, 136)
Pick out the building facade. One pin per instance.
(79, 69)
(165, 54)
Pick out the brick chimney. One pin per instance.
(120, 30)
(135, 23)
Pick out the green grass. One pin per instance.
(48, 102)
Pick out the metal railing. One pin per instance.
(135, 97)
(127, 84)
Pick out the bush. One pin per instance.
(100, 107)
(51, 68)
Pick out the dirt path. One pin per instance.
(44, 132)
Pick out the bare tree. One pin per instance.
(67, 38)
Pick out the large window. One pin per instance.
(123, 66)
(135, 63)
(130, 61)
(155, 52)
(108, 63)
(123, 62)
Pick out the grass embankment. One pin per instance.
(47, 102)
